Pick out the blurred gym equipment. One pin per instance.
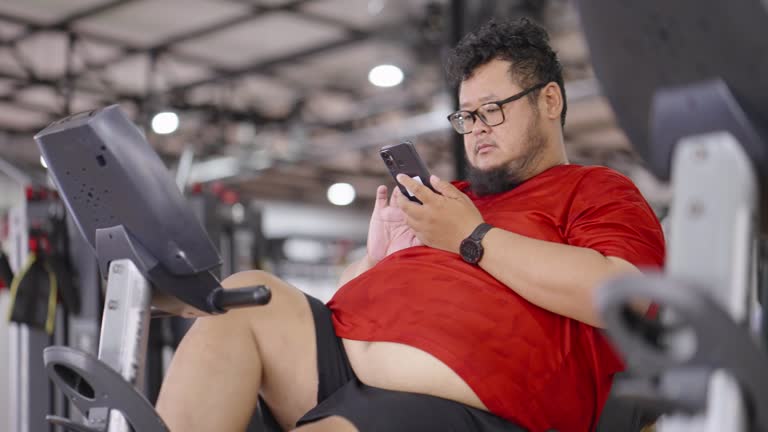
(155, 255)
(687, 82)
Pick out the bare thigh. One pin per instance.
(225, 360)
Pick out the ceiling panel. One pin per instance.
(96, 83)
(349, 66)
(46, 11)
(13, 117)
(255, 93)
(268, 2)
(150, 22)
(264, 95)
(9, 29)
(8, 64)
(129, 74)
(327, 107)
(88, 52)
(46, 53)
(356, 13)
(42, 96)
(6, 86)
(173, 72)
(85, 102)
(205, 93)
(275, 34)
(301, 74)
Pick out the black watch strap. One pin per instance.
(471, 248)
(480, 232)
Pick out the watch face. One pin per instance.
(470, 251)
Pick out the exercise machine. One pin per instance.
(687, 81)
(150, 248)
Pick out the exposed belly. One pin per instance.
(399, 367)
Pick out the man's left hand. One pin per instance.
(444, 219)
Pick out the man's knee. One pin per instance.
(284, 295)
(248, 278)
(284, 335)
(285, 299)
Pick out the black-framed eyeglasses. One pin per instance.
(491, 113)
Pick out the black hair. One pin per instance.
(522, 42)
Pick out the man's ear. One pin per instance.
(551, 100)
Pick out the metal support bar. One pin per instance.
(712, 218)
(125, 330)
(726, 410)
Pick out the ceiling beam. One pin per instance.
(241, 115)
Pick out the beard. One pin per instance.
(508, 176)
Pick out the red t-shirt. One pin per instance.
(533, 367)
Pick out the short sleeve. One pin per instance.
(609, 214)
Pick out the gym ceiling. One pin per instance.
(273, 96)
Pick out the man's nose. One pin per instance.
(480, 127)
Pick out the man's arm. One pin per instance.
(557, 277)
(356, 269)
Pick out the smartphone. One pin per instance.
(403, 159)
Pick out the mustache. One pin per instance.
(484, 143)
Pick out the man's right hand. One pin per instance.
(388, 232)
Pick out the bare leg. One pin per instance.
(224, 361)
(329, 424)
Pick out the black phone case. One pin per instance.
(403, 158)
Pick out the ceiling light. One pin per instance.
(42, 162)
(341, 194)
(164, 123)
(385, 75)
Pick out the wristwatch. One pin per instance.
(471, 249)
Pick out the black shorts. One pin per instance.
(373, 409)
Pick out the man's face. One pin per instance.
(514, 143)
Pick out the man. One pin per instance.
(472, 311)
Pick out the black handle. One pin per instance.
(225, 299)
